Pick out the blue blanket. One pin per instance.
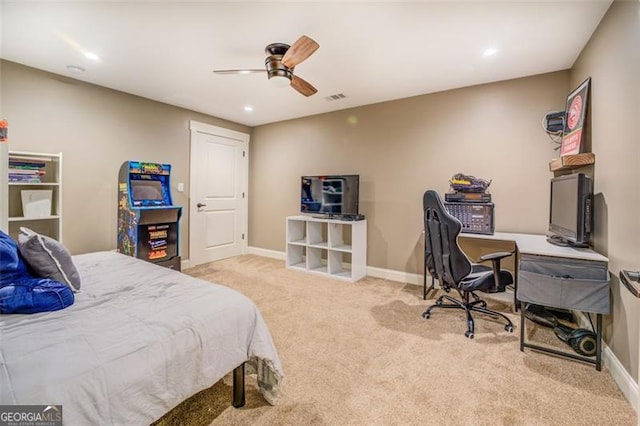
(22, 293)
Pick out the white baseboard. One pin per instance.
(623, 379)
(274, 254)
(388, 274)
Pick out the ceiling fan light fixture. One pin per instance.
(279, 64)
(279, 80)
(278, 74)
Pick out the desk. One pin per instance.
(536, 244)
(535, 250)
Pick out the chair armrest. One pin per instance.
(495, 256)
(495, 259)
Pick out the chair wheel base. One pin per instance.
(509, 328)
(468, 334)
(426, 315)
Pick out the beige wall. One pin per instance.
(402, 148)
(96, 129)
(612, 60)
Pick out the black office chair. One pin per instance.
(450, 266)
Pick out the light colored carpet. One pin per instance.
(360, 353)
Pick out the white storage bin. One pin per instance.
(36, 203)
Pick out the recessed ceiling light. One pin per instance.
(92, 56)
(248, 108)
(75, 69)
(490, 51)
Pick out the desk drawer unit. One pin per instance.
(564, 283)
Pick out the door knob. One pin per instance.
(199, 205)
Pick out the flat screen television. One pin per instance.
(571, 210)
(331, 195)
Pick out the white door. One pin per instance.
(217, 193)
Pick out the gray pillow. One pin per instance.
(48, 258)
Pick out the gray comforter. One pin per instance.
(138, 340)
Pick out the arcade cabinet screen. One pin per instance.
(146, 190)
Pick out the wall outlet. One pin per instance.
(180, 187)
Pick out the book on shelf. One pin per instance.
(26, 176)
(26, 171)
(25, 180)
(26, 164)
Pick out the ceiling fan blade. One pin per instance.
(225, 72)
(299, 51)
(302, 86)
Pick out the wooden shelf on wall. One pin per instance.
(568, 162)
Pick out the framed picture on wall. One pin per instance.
(576, 112)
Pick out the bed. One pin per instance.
(138, 340)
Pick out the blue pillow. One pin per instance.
(20, 293)
(33, 295)
(11, 263)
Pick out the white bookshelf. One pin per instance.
(331, 247)
(4, 188)
(13, 216)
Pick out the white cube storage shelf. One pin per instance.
(333, 247)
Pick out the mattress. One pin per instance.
(138, 340)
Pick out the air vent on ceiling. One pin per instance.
(335, 97)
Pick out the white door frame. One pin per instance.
(198, 127)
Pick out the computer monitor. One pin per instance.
(570, 210)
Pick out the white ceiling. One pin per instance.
(370, 52)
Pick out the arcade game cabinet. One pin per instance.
(147, 219)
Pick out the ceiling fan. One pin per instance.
(280, 62)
